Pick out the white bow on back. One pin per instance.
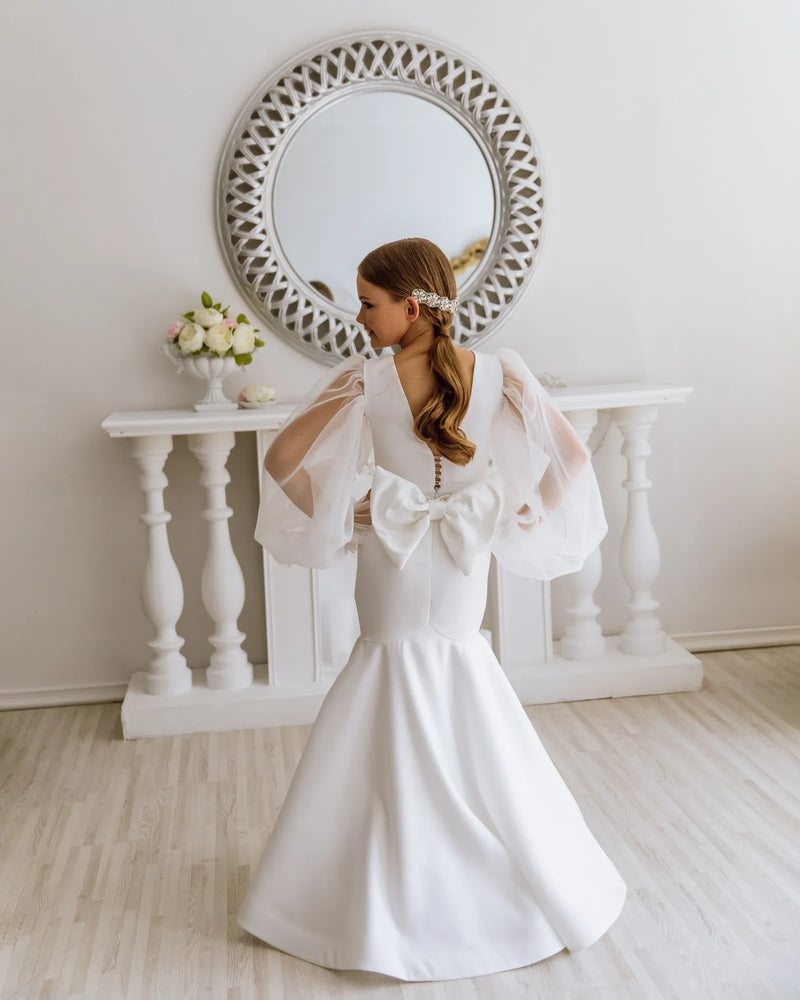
(401, 514)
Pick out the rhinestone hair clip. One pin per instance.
(435, 301)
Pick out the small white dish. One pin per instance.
(257, 406)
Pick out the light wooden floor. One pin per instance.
(122, 864)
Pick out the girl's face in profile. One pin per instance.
(385, 319)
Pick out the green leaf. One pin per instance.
(241, 318)
(206, 300)
(259, 343)
(217, 305)
(189, 315)
(243, 359)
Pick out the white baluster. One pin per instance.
(583, 637)
(162, 590)
(640, 556)
(223, 583)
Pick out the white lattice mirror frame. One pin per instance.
(305, 85)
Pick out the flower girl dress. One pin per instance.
(426, 834)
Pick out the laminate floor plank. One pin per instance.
(123, 864)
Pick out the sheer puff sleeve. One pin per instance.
(314, 470)
(553, 515)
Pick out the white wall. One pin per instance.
(670, 144)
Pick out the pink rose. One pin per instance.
(175, 329)
(228, 321)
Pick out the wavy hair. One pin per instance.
(398, 268)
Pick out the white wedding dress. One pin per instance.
(426, 834)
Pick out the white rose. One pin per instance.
(244, 339)
(258, 393)
(207, 317)
(191, 337)
(218, 338)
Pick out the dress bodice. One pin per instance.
(529, 493)
(396, 446)
(399, 593)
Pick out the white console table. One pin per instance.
(310, 617)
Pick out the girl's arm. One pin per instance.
(571, 452)
(285, 455)
(553, 516)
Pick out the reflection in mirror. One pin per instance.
(376, 167)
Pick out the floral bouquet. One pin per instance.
(208, 344)
(211, 331)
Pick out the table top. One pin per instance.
(139, 423)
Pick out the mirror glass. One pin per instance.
(376, 167)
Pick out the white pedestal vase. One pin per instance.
(210, 367)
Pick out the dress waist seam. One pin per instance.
(427, 626)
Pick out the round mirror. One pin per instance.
(365, 140)
(377, 167)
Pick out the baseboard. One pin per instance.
(77, 694)
(740, 638)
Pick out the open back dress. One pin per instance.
(426, 834)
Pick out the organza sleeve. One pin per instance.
(553, 514)
(314, 470)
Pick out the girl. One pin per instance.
(426, 834)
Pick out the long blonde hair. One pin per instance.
(398, 268)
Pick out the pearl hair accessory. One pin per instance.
(435, 301)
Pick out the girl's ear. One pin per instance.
(412, 309)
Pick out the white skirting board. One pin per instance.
(740, 638)
(53, 697)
